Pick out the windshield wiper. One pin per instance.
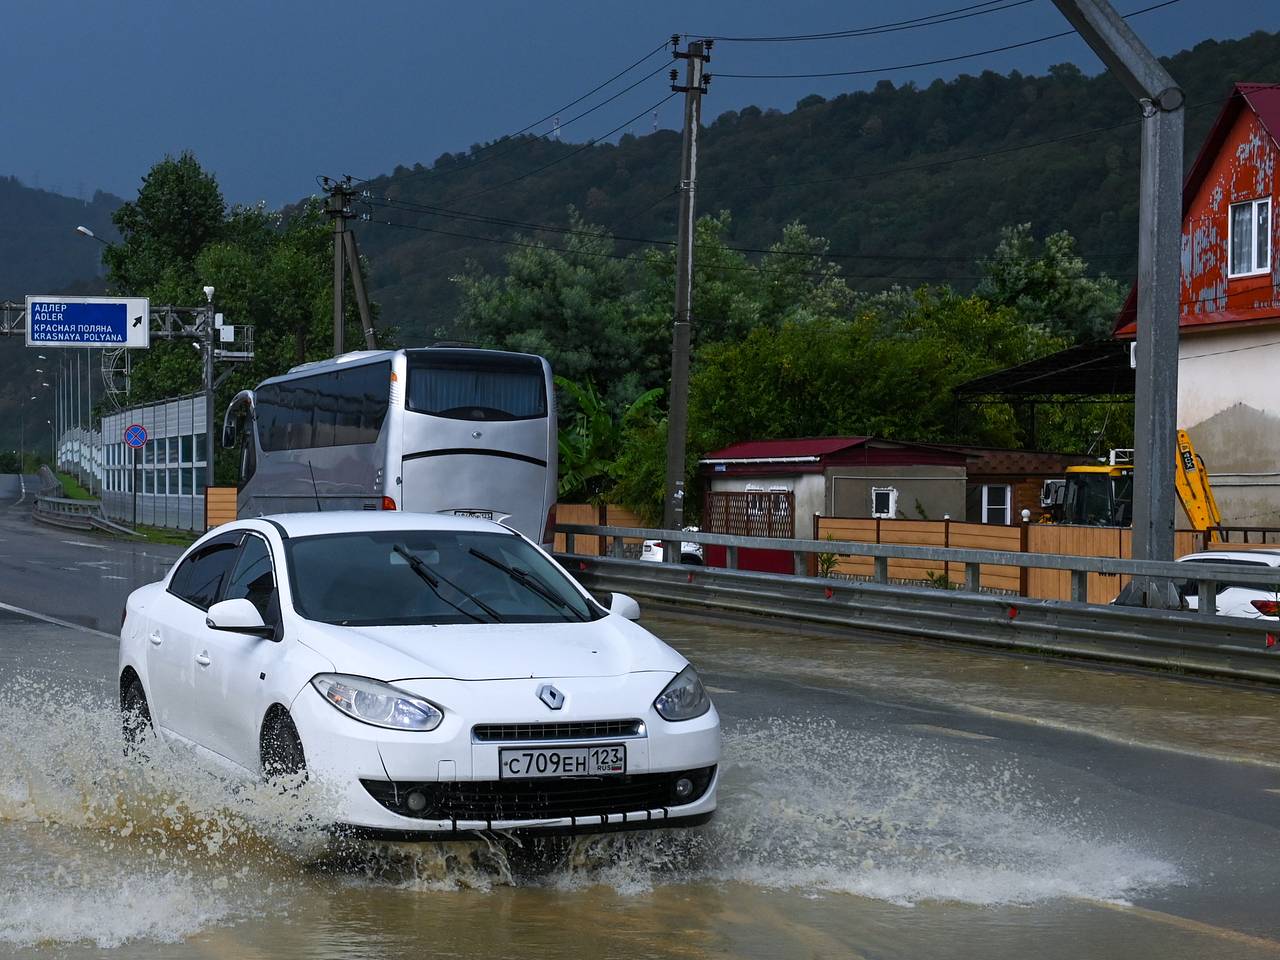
(529, 582)
(433, 581)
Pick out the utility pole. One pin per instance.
(338, 207)
(1159, 262)
(346, 255)
(695, 85)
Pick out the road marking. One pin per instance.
(56, 622)
(948, 731)
(718, 690)
(81, 543)
(1275, 790)
(1076, 728)
(1193, 926)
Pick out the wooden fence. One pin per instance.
(1063, 539)
(219, 506)
(589, 514)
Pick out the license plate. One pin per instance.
(476, 514)
(562, 762)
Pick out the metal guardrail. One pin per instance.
(75, 515)
(1207, 576)
(1180, 641)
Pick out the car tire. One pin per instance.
(135, 715)
(691, 558)
(282, 753)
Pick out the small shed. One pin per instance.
(774, 487)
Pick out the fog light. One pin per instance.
(417, 801)
(684, 787)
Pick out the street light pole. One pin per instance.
(208, 388)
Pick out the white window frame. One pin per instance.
(1253, 247)
(1008, 502)
(893, 503)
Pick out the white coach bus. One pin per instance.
(433, 430)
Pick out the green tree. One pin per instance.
(1048, 286)
(270, 271)
(575, 306)
(592, 439)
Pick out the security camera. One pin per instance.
(208, 294)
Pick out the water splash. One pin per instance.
(111, 848)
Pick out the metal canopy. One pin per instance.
(1083, 373)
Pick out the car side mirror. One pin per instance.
(624, 606)
(237, 616)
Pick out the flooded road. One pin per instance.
(886, 800)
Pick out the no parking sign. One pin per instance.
(135, 435)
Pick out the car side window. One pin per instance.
(253, 578)
(200, 577)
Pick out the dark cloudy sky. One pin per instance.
(268, 95)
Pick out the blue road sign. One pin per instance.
(135, 435)
(88, 322)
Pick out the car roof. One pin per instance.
(358, 521)
(1269, 558)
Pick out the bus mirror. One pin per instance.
(230, 435)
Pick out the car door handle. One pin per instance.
(156, 639)
(203, 659)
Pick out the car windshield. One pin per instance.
(383, 578)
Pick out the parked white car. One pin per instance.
(689, 552)
(437, 674)
(1236, 600)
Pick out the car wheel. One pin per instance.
(135, 715)
(691, 558)
(282, 754)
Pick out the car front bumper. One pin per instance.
(367, 771)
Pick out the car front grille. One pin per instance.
(578, 730)
(491, 800)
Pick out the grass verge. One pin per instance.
(71, 488)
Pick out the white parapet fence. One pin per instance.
(170, 469)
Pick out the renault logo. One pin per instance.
(552, 697)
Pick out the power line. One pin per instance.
(411, 207)
(572, 153)
(983, 155)
(525, 129)
(922, 63)
(933, 19)
(748, 267)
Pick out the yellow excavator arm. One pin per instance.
(1194, 490)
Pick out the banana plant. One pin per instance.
(592, 439)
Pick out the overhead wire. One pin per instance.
(572, 153)
(389, 203)
(923, 63)
(507, 138)
(915, 23)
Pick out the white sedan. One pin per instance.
(435, 674)
(1251, 600)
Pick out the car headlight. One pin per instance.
(380, 704)
(684, 698)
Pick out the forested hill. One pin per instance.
(907, 183)
(40, 252)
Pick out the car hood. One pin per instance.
(493, 651)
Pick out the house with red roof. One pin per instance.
(1229, 351)
(774, 487)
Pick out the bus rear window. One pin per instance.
(476, 385)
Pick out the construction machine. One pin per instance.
(1102, 495)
